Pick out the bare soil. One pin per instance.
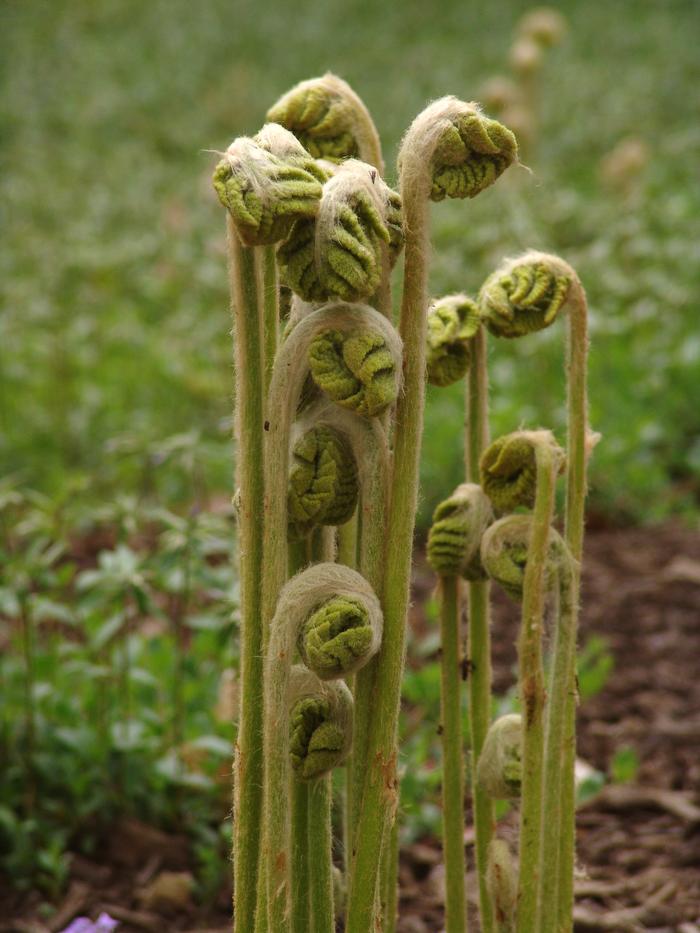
(638, 843)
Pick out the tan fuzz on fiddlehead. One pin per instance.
(356, 370)
(455, 536)
(337, 254)
(320, 724)
(323, 484)
(468, 150)
(499, 771)
(509, 471)
(266, 183)
(452, 322)
(329, 119)
(526, 294)
(504, 550)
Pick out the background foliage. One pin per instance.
(114, 325)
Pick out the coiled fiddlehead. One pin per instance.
(509, 468)
(500, 767)
(330, 120)
(338, 637)
(469, 150)
(455, 536)
(355, 370)
(323, 485)
(320, 588)
(504, 553)
(266, 183)
(452, 322)
(320, 724)
(338, 253)
(525, 294)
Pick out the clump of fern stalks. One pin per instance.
(500, 526)
(329, 385)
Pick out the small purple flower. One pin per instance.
(103, 924)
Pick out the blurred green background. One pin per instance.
(114, 329)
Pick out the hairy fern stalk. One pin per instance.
(328, 424)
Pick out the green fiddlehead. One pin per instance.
(330, 120)
(452, 322)
(323, 483)
(356, 370)
(500, 767)
(504, 553)
(337, 254)
(320, 732)
(509, 469)
(468, 151)
(455, 536)
(525, 294)
(327, 610)
(266, 183)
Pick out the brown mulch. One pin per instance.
(638, 844)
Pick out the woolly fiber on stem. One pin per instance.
(532, 690)
(270, 310)
(479, 640)
(577, 407)
(450, 150)
(250, 388)
(503, 885)
(452, 757)
(557, 698)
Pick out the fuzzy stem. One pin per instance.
(320, 858)
(390, 886)
(249, 435)
(576, 363)
(558, 692)
(347, 542)
(452, 758)
(270, 309)
(477, 439)
(301, 808)
(379, 796)
(532, 689)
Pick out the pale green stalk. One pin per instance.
(532, 689)
(557, 697)
(577, 355)
(320, 857)
(270, 308)
(302, 870)
(452, 757)
(390, 886)
(479, 645)
(250, 389)
(379, 797)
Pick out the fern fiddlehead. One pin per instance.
(330, 120)
(452, 323)
(333, 613)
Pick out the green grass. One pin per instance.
(114, 329)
